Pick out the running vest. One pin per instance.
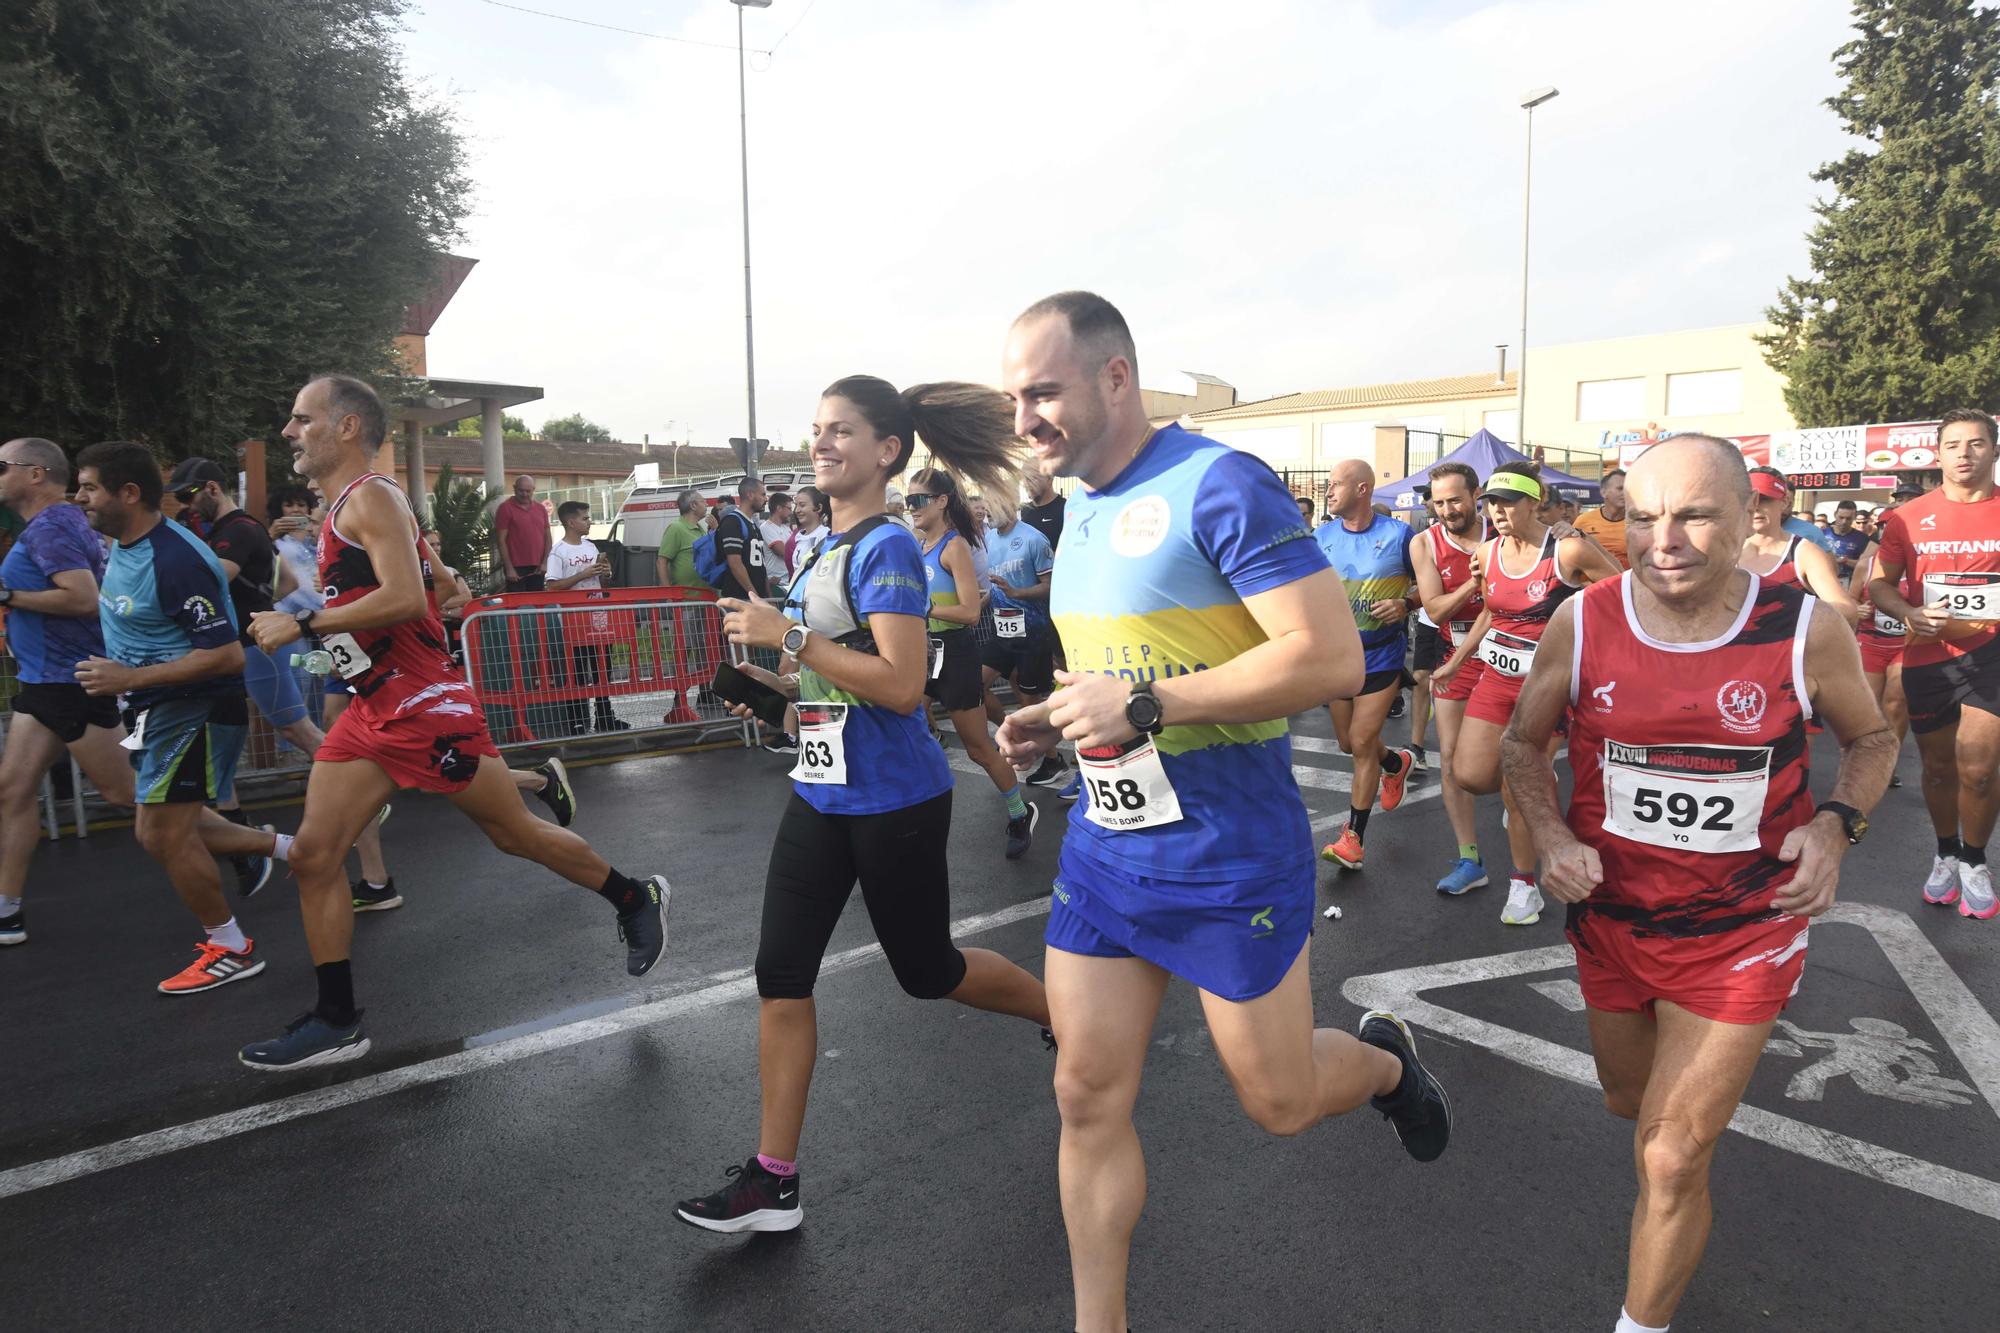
(1877, 624)
(406, 663)
(1690, 760)
(943, 587)
(1454, 567)
(1786, 571)
(1950, 554)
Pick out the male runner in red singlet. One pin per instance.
(1442, 557)
(414, 722)
(1938, 571)
(1691, 857)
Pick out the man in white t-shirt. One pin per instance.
(576, 565)
(776, 526)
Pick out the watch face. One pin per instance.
(1858, 829)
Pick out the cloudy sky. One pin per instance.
(1290, 194)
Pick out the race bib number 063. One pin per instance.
(1688, 798)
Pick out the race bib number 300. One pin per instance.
(1508, 654)
(1966, 595)
(1690, 798)
(822, 748)
(1126, 788)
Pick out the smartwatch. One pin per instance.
(1856, 822)
(1143, 711)
(794, 641)
(305, 620)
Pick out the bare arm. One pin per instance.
(1857, 582)
(1524, 761)
(75, 594)
(1583, 561)
(1438, 604)
(102, 676)
(958, 563)
(1821, 576)
(891, 677)
(1886, 591)
(378, 522)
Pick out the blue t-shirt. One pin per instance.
(1847, 548)
(1797, 527)
(1149, 584)
(1020, 556)
(892, 762)
(47, 648)
(164, 596)
(1375, 565)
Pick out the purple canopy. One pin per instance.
(1484, 452)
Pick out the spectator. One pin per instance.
(576, 565)
(741, 544)
(1044, 510)
(777, 529)
(809, 508)
(1605, 524)
(674, 566)
(896, 508)
(521, 526)
(1305, 510)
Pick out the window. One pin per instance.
(1611, 400)
(1501, 424)
(1705, 393)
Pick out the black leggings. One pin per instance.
(899, 857)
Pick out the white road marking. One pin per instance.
(159, 1142)
(1564, 992)
(1973, 1035)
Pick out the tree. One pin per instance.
(1901, 315)
(205, 203)
(464, 533)
(575, 426)
(511, 428)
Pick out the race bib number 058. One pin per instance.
(1966, 595)
(1125, 787)
(1508, 654)
(1688, 798)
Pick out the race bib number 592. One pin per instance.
(1691, 798)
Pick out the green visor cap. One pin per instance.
(1511, 486)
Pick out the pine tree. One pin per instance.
(1901, 316)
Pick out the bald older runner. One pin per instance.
(1691, 858)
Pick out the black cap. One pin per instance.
(1908, 490)
(192, 472)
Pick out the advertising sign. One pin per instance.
(1828, 454)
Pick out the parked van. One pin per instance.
(642, 520)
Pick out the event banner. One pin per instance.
(1829, 454)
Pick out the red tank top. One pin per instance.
(1522, 606)
(1454, 566)
(1786, 571)
(1873, 626)
(1690, 760)
(409, 663)
(1950, 554)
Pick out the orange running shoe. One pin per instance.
(1392, 786)
(214, 966)
(1346, 850)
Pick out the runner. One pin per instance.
(1605, 524)
(414, 722)
(1881, 639)
(1944, 548)
(1848, 541)
(1442, 557)
(1018, 641)
(1691, 857)
(947, 534)
(1371, 553)
(1517, 610)
(1190, 854)
(871, 793)
(1777, 556)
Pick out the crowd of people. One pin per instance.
(1677, 648)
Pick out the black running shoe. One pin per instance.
(1052, 773)
(753, 1200)
(1048, 1039)
(1398, 706)
(782, 742)
(368, 898)
(1419, 1109)
(14, 927)
(253, 872)
(308, 1040)
(1021, 832)
(644, 929)
(556, 793)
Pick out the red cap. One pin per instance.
(1770, 486)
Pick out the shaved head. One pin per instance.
(1353, 471)
(1687, 512)
(1699, 451)
(1350, 492)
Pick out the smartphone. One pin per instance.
(754, 694)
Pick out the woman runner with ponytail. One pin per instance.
(871, 791)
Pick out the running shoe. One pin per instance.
(1048, 1039)
(1420, 1109)
(784, 742)
(368, 898)
(1393, 784)
(253, 872)
(753, 1200)
(1346, 850)
(1419, 760)
(1524, 904)
(14, 927)
(1978, 901)
(1464, 876)
(382, 815)
(556, 792)
(1050, 773)
(1941, 889)
(1069, 795)
(308, 1040)
(1399, 705)
(1895, 780)
(644, 928)
(214, 966)
(1021, 832)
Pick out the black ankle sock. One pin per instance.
(1392, 762)
(1948, 846)
(336, 992)
(235, 817)
(623, 892)
(1358, 821)
(1970, 855)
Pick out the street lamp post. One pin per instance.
(749, 340)
(1528, 104)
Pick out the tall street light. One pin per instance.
(1528, 104)
(749, 340)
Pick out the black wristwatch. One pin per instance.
(1143, 711)
(305, 619)
(6, 596)
(1856, 822)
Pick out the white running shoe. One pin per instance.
(1941, 889)
(1524, 904)
(1977, 884)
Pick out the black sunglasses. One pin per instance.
(6, 463)
(919, 499)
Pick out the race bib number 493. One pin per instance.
(1689, 798)
(1966, 595)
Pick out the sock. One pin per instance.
(1392, 762)
(281, 848)
(1525, 877)
(777, 1166)
(1627, 1324)
(1469, 851)
(373, 885)
(235, 816)
(336, 993)
(229, 935)
(623, 892)
(9, 906)
(1948, 846)
(1358, 821)
(1017, 805)
(1970, 855)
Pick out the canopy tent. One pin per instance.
(1484, 452)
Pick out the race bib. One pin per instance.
(1010, 622)
(822, 748)
(1686, 798)
(1966, 595)
(1461, 630)
(348, 659)
(937, 657)
(137, 739)
(1508, 654)
(1887, 624)
(1125, 787)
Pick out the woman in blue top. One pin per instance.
(871, 790)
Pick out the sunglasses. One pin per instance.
(6, 463)
(186, 494)
(920, 499)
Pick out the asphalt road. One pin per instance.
(508, 1155)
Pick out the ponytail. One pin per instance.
(968, 428)
(956, 509)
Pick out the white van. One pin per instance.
(642, 519)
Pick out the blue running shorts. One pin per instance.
(188, 750)
(273, 688)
